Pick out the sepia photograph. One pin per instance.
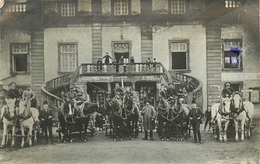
(130, 81)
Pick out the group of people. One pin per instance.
(121, 61)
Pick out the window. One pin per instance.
(121, 7)
(68, 57)
(177, 6)
(68, 9)
(179, 55)
(232, 50)
(19, 56)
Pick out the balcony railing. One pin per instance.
(128, 68)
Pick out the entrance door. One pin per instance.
(147, 91)
(125, 56)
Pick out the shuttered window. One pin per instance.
(179, 55)
(20, 58)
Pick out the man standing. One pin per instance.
(99, 65)
(196, 115)
(46, 117)
(149, 115)
(162, 91)
(107, 57)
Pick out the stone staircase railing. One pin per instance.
(196, 94)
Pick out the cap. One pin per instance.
(45, 102)
(148, 101)
(227, 83)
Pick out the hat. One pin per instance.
(148, 101)
(227, 83)
(45, 102)
(71, 87)
(170, 84)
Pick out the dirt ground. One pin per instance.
(100, 149)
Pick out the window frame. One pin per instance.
(128, 8)
(187, 55)
(122, 42)
(12, 68)
(67, 3)
(60, 71)
(171, 11)
(240, 58)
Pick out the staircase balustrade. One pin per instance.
(197, 87)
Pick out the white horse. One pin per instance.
(221, 114)
(244, 112)
(27, 117)
(8, 116)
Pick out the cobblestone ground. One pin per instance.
(100, 149)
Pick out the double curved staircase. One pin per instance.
(52, 89)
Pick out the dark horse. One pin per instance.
(179, 119)
(66, 116)
(132, 116)
(173, 114)
(79, 120)
(163, 111)
(116, 117)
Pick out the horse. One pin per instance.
(179, 118)
(28, 117)
(221, 114)
(66, 116)
(163, 116)
(8, 115)
(83, 116)
(242, 111)
(132, 115)
(115, 111)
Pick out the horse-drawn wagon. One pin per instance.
(22, 123)
(233, 116)
(76, 121)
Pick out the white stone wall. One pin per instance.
(8, 38)
(132, 34)
(250, 55)
(196, 34)
(54, 36)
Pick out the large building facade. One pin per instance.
(42, 40)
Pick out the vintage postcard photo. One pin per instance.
(130, 81)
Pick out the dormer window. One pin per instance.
(121, 7)
(177, 7)
(68, 9)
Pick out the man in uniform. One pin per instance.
(127, 94)
(171, 93)
(227, 91)
(71, 95)
(46, 117)
(117, 92)
(162, 91)
(196, 115)
(149, 115)
(13, 93)
(29, 96)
